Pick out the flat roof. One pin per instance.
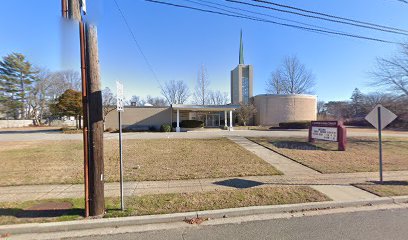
(205, 107)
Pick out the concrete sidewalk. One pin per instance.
(333, 185)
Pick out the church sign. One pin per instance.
(332, 131)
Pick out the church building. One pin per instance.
(270, 109)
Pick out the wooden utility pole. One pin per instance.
(96, 165)
(92, 112)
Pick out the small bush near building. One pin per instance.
(165, 128)
(190, 124)
(152, 129)
(295, 125)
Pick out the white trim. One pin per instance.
(178, 121)
(231, 128)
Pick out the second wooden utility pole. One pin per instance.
(96, 163)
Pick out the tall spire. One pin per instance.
(241, 51)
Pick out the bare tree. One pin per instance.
(321, 108)
(372, 99)
(218, 98)
(38, 100)
(201, 90)
(108, 102)
(136, 101)
(275, 85)
(291, 78)
(156, 101)
(392, 73)
(175, 92)
(62, 81)
(245, 112)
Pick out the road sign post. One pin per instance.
(120, 109)
(380, 143)
(380, 117)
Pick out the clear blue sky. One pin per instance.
(178, 41)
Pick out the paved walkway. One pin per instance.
(283, 164)
(336, 186)
(291, 168)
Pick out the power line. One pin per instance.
(403, 1)
(252, 12)
(137, 43)
(273, 22)
(317, 17)
(333, 16)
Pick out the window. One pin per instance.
(245, 90)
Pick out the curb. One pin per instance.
(179, 217)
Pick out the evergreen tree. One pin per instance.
(357, 103)
(17, 76)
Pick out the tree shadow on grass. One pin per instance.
(21, 213)
(298, 145)
(239, 183)
(390, 183)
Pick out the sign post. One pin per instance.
(120, 109)
(380, 117)
(380, 143)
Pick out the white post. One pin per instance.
(178, 121)
(226, 119)
(231, 129)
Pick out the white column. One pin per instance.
(231, 129)
(178, 121)
(226, 119)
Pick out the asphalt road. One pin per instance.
(378, 224)
(46, 135)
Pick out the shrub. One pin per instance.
(189, 124)
(165, 128)
(357, 122)
(295, 125)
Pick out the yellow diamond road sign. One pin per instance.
(386, 116)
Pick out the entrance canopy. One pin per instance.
(205, 108)
(203, 113)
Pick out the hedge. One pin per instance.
(190, 124)
(295, 125)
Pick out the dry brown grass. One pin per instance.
(46, 162)
(386, 189)
(361, 154)
(186, 202)
(13, 213)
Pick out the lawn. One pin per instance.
(386, 189)
(11, 213)
(46, 162)
(361, 154)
